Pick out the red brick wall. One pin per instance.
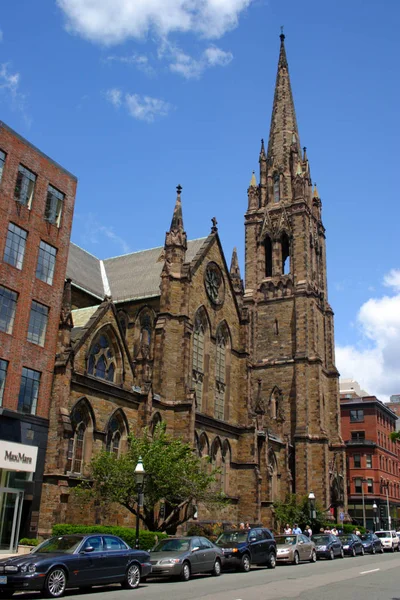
(15, 348)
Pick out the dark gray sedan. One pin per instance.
(182, 557)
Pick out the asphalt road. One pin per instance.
(361, 578)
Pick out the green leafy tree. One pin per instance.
(296, 509)
(394, 436)
(176, 478)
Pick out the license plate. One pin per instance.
(3, 579)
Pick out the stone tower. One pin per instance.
(291, 339)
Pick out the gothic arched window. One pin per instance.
(123, 321)
(101, 359)
(285, 245)
(276, 188)
(200, 325)
(220, 375)
(273, 475)
(268, 256)
(77, 446)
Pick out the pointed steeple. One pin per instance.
(177, 219)
(234, 272)
(253, 180)
(283, 132)
(175, 239)
(315, 193)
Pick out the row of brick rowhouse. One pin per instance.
(246, 373)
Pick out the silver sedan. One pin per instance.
(294, 548)
(182, 557)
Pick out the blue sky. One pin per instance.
(135, 96)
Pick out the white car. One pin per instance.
(389, 540)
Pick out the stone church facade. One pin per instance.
(244, 372)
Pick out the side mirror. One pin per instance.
(195, 548)
(300, 542)
(252, 539)
(88, 549)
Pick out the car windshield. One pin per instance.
(232, 537)
(346, 538)
(383, 534)
(287, 540)
(66, 544)
(366, 537)
(172, 545)
(321, 539)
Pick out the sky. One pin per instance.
(137, 96)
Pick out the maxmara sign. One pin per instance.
(17, 457)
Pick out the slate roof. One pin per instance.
(131, 276)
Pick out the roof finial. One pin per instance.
(178, 189)
(282, 36)
(214, 227)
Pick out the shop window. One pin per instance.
(46, 262)
(101, 361)
(37, 323)
(14, 249)
(8, 305)
(25, 186)
(54, 204)
(356, 415)
(3, 375)
(28, 391)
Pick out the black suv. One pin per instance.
(242, 548)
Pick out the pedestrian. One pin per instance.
(308, 531)
(296, 529)
(327, 529)
(358, 532)
(334, 531)
(247, 525)
(287, 529)
(241, 526)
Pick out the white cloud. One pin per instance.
(192, 68)
(375, 361)
(94, 232)
(143, 108)
(140, 61)
(114, 22)
(9, 87)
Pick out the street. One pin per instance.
(361, 578)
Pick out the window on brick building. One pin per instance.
(102, 362)
(25, 186)
(3, 375)
(370, 486)
(14, 249)
(28, 391)
(356, 415)
(220, 375)
(357, 461)
(268, 256)
(358, 485)
(368, 459)
(2, 161)
(358, 436)
(116, 433)
(199, 339)
(8, 305)
(46, 262)
(38, 323)
(78, 445)
(54, 204)
(285, 247)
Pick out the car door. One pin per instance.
(196, 556)
(115, 554)
(256, 546)
(209, 554)
(92, 563)
(337, 545)
(304, 547)
(265, 544)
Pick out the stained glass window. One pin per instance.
(101, 361)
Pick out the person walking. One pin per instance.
(287, 529)
(296, 528)
(308, 531)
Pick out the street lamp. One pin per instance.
(386, 487)
(139, 479)
(375, 509)
(311, 502)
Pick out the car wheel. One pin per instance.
(353, 551)
(393, 549)
(373, 551)
(185, 573)
(381, 550)
(331, 554)
(217, 568)
(271, 560)
(55, 584)
(245, 563)
(341, 553)
(313, 556)
(296, 558)
(132, 577)
(362, 551)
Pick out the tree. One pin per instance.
(394, 436)
(296, 509)
(176, 478)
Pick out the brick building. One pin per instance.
(36, 206)
(244, 372)
(373, 460)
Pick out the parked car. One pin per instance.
(371, 543)
(243, 548)
(389, 540)
(294, 548)
(74, 561)
(352, 544)
(181, 557)
(328, 545)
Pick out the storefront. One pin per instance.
(17, 466)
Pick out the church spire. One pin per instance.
(177, 218)
(175, 239)
(234, 273)
(283, 132)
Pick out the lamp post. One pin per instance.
(363, 503)
(311, 502)
(139, 479)
(386, 487)
(375, 509)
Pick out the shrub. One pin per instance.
(147, 539)
(208, 530)
(348, 527)
(28, 542)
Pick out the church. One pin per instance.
(244, 371)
